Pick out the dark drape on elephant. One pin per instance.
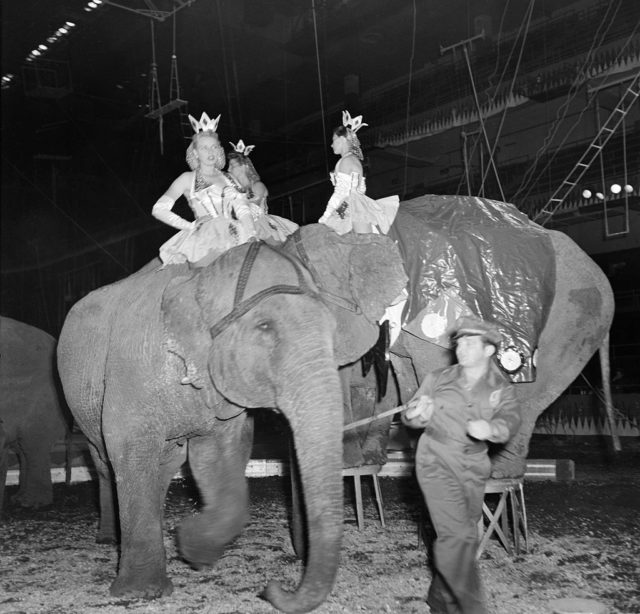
(469, 254)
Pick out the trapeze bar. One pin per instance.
(443, 50)
(153, 11)
(166, 108)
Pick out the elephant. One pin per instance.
(32, 415)
(161, 366)
(577, 326)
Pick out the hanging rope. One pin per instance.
(174, 82)
(491, 98)
(513, 82)
(406, 120)
(480, 120)
(225, 70)
(324, 127)
(528, 183)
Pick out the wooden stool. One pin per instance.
(511, 498)
(357, 473)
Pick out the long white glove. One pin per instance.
(340, 193)
(162, 211)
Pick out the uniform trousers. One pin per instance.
(452, 476)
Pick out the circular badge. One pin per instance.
(433, 325)
(511, 360)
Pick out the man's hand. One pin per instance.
(419, 411)
(479, 429)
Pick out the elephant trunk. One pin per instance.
(313, 405)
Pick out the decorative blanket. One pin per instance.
(465, 254)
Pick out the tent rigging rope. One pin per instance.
(406, 121)
(324, 127)
(527, 182)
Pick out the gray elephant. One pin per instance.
(159, 367)
(32, 417)
(576, 327)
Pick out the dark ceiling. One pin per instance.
(78, 149)
(261, 63)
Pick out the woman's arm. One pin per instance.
(260, 194)
(162, 209)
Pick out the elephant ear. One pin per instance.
(376, 275)
(187, 336)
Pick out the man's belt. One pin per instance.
(468, 447)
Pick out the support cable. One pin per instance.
(576, 123)
(564, 108)
(481, 121)
(324, 127)
(513, 82)
(595, 147)
(406, 123)
(491, 98)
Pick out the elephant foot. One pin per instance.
(141, 588)
(109, 540)
(200, 543)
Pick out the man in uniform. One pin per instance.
(461, 408)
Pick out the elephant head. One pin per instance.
(359, 276)
(251, 331)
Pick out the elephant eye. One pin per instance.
(265, 325)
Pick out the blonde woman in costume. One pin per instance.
(349, 208)
(222, 214)
(269, 228)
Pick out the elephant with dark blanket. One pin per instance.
(32, 417)
(577, 326)
(159, 367)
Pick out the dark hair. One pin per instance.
(340, 131)
(243, 160)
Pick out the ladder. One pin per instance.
(595, 147)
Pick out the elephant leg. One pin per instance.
(218, 463)
(107, 525)
(4, 464)
(175, 457)
(134, 451)
(34, 453)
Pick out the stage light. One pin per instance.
(615, 188)
(62, 30)
(586, 193)
(600, 195)
(70, 24)
(628, 188)
(42, 47)
(92, 4)
(36, 52)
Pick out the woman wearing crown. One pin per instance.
(269, 228)
(349, 208)
(222, 214)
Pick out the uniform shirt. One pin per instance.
(492, 398)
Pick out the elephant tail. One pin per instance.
(605, 370)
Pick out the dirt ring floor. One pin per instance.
(583, 543)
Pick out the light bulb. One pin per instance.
(615, 188)
(628, 188)
(600, 195)
(586, 193)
